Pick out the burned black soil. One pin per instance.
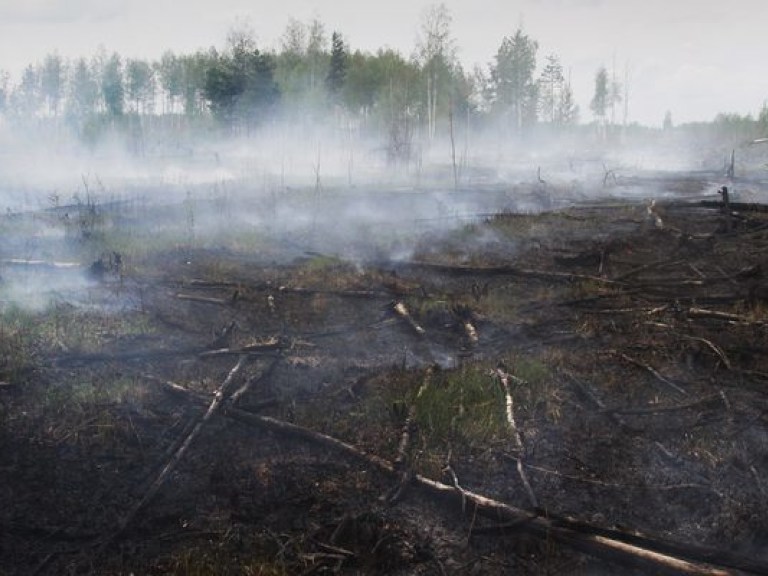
(630, 338)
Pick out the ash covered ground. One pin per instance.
(584, 348)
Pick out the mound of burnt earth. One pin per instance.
(580, 391)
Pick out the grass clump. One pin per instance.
(461, 408)
(464, 410)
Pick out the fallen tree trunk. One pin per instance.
(738, 206)
(497, 271)
(613, 545)
(205, 299)
(41, 264)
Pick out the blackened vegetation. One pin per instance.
(589, 396)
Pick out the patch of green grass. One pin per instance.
(461, 408)
(422, 308)
(502, 303)
(536, 393)
(71, 329)
(81, 395)
(321, 262)
(465, 408)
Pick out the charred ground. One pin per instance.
(627, 342)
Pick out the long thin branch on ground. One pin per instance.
(716, 315)
(403, 462)
(644, 267)
(215, 405)
(645, 410)
(500, 271)
(205, 299)
(504, 379)
(240, 392)
(708, 343)
(652, 370)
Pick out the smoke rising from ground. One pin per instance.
(325, 187)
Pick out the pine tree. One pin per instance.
(567, 110)
(52, 82)
(551, 87)
(514, 90)
(112, 88)
(667, 125)
(337, 70)
(599, 104)
(83, 91)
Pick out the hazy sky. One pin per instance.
(693, 57)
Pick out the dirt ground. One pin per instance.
(601, 366)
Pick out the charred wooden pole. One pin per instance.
(730, 171)
(726, 208)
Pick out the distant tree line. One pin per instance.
(310, 77)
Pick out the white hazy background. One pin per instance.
(695, 58)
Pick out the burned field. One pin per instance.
(580, 390)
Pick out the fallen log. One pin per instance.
(205, 299)
(41, 264)
(617, 546)
(737, 206)
(497, 271)
(365, 294)
(612, 545)
(270, 347)
(211, 283)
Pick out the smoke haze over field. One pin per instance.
(200, 147)
(692, 58)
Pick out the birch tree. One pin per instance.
(436, 53)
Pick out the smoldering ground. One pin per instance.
(374, 303)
